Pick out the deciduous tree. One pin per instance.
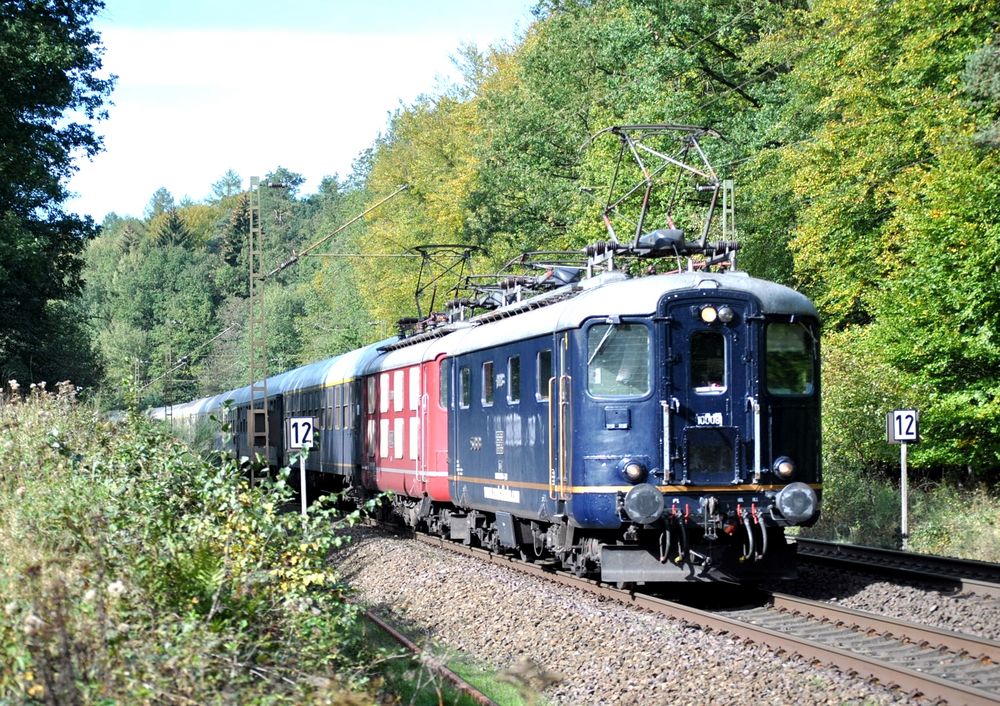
(51, 94)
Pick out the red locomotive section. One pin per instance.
(406, 431)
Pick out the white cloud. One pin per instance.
(191, 104)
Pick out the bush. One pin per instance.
(955, 522)
(862, 508)
(859, 509)
(135, 571)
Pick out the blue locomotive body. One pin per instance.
(662, 428)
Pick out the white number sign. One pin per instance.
(903, 426)
(300, 432)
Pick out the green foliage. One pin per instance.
(949, 521)
(133, 571)
(858, 508)
(858, 388)
(168, 228)
(982, 85)
(945, 520)
(939, 315)
(870, 104)
(858, 133)
(50, 97)
(227, 186)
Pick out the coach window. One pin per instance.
(465, 382)
(618, 360)
(708, 362)
(443, 383)
(487, 398)
(397, 391)
(514, 379)
(789, 359)
(544, 373)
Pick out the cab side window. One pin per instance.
(618, 360)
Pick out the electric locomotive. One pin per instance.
(659, 428)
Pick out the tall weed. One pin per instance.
(135, 571)
(866, 509)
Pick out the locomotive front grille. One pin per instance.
(711, 454)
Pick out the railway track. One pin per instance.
(966, 575)
(441, 670)
(934, 663)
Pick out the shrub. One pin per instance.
(863, 508)
(135, 571)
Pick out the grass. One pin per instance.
(414, 680)
(135, 571)
(943, 520)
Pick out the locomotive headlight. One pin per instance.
(634, 471)
(644, 504)
(709, 314)
(796, 502)
(726, 314)
(784, 468)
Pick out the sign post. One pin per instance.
(902, 426)
(300, 436)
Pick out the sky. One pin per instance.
(205, 86)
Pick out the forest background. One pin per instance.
(862, 136)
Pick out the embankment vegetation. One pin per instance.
(137, 572)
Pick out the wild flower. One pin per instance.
(116, 589)
(36, 691)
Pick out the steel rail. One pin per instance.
(889, 673)
(458, 682)
(974, 646)
(972, 576)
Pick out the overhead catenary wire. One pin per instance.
(186, 358)
(296, 256)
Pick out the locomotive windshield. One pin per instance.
(789, 359)
(618, 360)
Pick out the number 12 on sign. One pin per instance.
(300, 432)
(903, 426)
(300, 436)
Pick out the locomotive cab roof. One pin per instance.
(613, 294)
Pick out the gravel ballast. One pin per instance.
(579, 648)
(966, 613)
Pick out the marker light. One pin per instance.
(726, 314)
(634, 471)
(709, 314)
(784, 467)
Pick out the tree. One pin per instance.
(982, 85)
(50, 98)
(168, 228)
(162, 200)
(228, 185)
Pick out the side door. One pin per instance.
(558, 391)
